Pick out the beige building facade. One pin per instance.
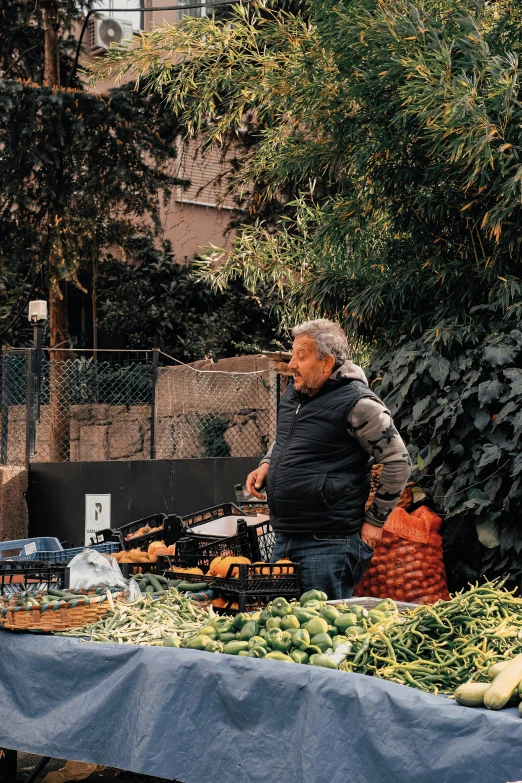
(197, 216)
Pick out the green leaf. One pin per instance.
(499, 355)
(489, 391)
(420, 407)
(515, 376)
(508, 408)
(517, 465)
(482, 419)
(490, 453)
(439, 368)
(420, 463)
(488, 533)
(477, 496)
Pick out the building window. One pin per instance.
(135, 17)
(208, 176)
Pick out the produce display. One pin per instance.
(223, 567)
(408, 564)
(142, 531)
(154, 549)
(166, 620)
(437, 648)
(306, 632)
(52, 599)
(159, 585)
(503, 690)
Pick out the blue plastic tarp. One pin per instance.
(205, 718)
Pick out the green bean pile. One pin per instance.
(147, 621)
(437, 648)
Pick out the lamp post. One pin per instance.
(37, 316)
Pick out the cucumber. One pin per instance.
(504, 685)
(149, 589)
(196, 587)
(174, 582)
(471, 694)
(162, 579)
(155, 583)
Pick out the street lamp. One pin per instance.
(37, 316)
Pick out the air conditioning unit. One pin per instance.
(106, 30)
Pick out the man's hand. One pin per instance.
(370, 534)
(256, 480)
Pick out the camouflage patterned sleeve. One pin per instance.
(371, 423)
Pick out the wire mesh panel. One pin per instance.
(13, 386)
(65, 405)
(94, 410)
(214, 413)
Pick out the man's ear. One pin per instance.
(329, 364)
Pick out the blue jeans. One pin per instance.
(334, 565)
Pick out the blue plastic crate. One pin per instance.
(23, 546)
(49, 549)
(66, 555)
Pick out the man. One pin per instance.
(331, 428)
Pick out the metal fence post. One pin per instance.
(154, 410)
(34, 382)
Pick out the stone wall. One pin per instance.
(14, 518)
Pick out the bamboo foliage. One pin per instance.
(398, 121)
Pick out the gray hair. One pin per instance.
(329, 338)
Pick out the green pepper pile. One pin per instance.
(437, 648)
(308, 632)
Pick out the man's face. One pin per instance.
(309, 372)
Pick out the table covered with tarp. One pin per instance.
(199, 717)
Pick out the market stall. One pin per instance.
(174, 648)
(154, 710)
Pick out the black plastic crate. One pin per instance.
(207, 547)
(191, 578)
(253, 541)
(154, 521)
(273, 578)
(214, 512)
(33, 575)
(252, 507)
(127, 569)
(171, 562)
(262, 541)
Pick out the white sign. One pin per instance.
(30, 549)
(97, 515)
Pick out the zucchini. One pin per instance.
(196, 587)
(471, 694)
(504, 685)
(154, 582)
(496, 669)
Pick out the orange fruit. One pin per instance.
(214, 566)
(228, 561)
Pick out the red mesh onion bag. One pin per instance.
(408, 564)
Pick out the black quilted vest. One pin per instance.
(319, 477)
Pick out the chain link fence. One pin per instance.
(65, 405)
(13, 395)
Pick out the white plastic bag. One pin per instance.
(91, 569)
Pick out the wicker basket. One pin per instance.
(64, 617)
